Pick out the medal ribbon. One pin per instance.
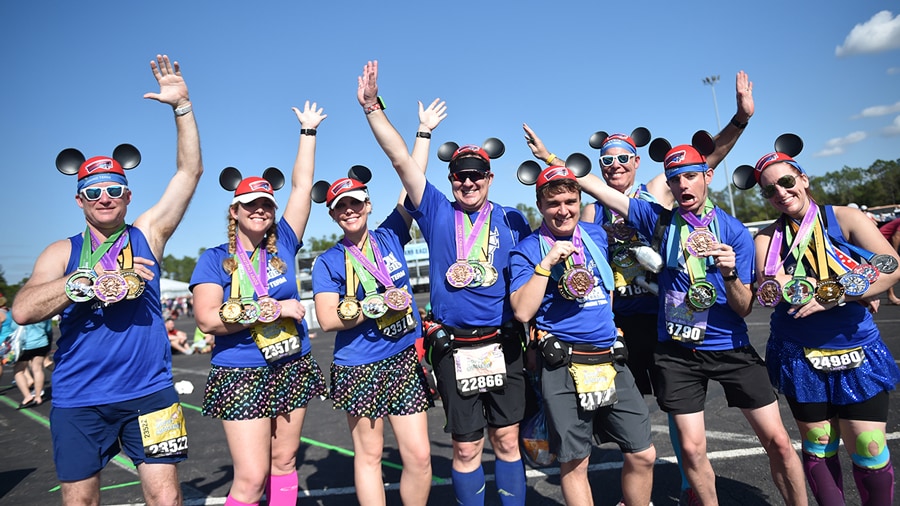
(679, 228)
(257, 273)
(92, 251)
(368, 281)
(803, 232)
(606, 274)
(577, 257)
(465, 241)
(378, 269)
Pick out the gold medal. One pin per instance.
(348, 309)
(828, 290)
(135, 284)
(231, 311)
(490, 274)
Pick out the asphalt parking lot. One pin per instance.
(325, 458)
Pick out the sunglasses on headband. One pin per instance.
(786, 181)
(472, 175)
(114, 191)
(607, 160)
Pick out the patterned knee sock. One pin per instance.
(825, 479)
(876, 486)
(510, 478)
(469, 487)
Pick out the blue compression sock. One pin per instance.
(676, 447)
(469, 487)
(510, 478)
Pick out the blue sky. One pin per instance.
(76, 73)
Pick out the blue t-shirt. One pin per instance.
(467, 307)
(364, 343)
(112, 353)
(631, 299)
(589, 320)
(36, 335)
(239, 349)
(840, 327)
(725, 329)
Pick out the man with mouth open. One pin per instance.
(704, 295)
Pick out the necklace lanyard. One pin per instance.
(548, 240)
(680, 229)
(465, 242)
(376, 269)
(778, 236)
(105, 253)
(254, 269)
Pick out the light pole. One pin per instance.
(711, 81)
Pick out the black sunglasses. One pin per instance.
(472, 175)
(786, 181)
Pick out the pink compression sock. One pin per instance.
(282, 490)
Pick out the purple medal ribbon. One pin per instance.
(109, 259)
(377, 269)
(578, 255)
(259, 281)
(772, 259)
(696, 222)
(464, 244)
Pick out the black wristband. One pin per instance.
(307, 131)
(736, 124)
(424, 135)
(733, 277)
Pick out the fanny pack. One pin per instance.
(590, 355)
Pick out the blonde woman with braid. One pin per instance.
(263, 374)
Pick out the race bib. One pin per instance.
(595, 385)
(163, 432)
(480, 369)
(683, 323)
(276, 340)
(396, 323)
(834, 360)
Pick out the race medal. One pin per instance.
(348, 309)
(884, 263)
(110, 287)
(80, 286)
(828, 290)
(619, 230)
(397, 299)
(478, 277)
(701, 295)
(798, 291)
(623, 257)
(769, 293)
(231, 311)
(854, 284)
(867, 270)
(250, 312)
(373, 306)
(269, 309)
(460, 274)
(163, 432)
(699, 242)
(490, 274)
(135, 282)
(578, 281)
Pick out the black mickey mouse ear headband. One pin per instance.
(639, 137)
(248, 189)
(99, 169)
(471, 157)
(354, 186)
(577, 165)
(787, 146)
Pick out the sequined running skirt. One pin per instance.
(393, 386)
(247, 393)
(793, 375)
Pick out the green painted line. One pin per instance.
(338, 449)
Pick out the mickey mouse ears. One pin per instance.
(70, 161)
(787, 146)
(492, 148)
(357, 177)
(701, 141)
(530, 172)
(248, 189)
(230, 178)
(639, 137)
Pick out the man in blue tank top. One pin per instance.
(113, 386)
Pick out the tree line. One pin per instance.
(875, 186)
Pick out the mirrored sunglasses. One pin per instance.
(607, 160)
(472, 175)
(114, 191)
(786, 181)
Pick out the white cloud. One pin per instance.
(878, 110)
(893, 71)
(880, 33)
(893, 129)
(836, 146)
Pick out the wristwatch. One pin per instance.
(733, 276)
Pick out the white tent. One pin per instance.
(169, 289)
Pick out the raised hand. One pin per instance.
(430, 117)
(367, 92)
(172, 88)
(310, 116)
